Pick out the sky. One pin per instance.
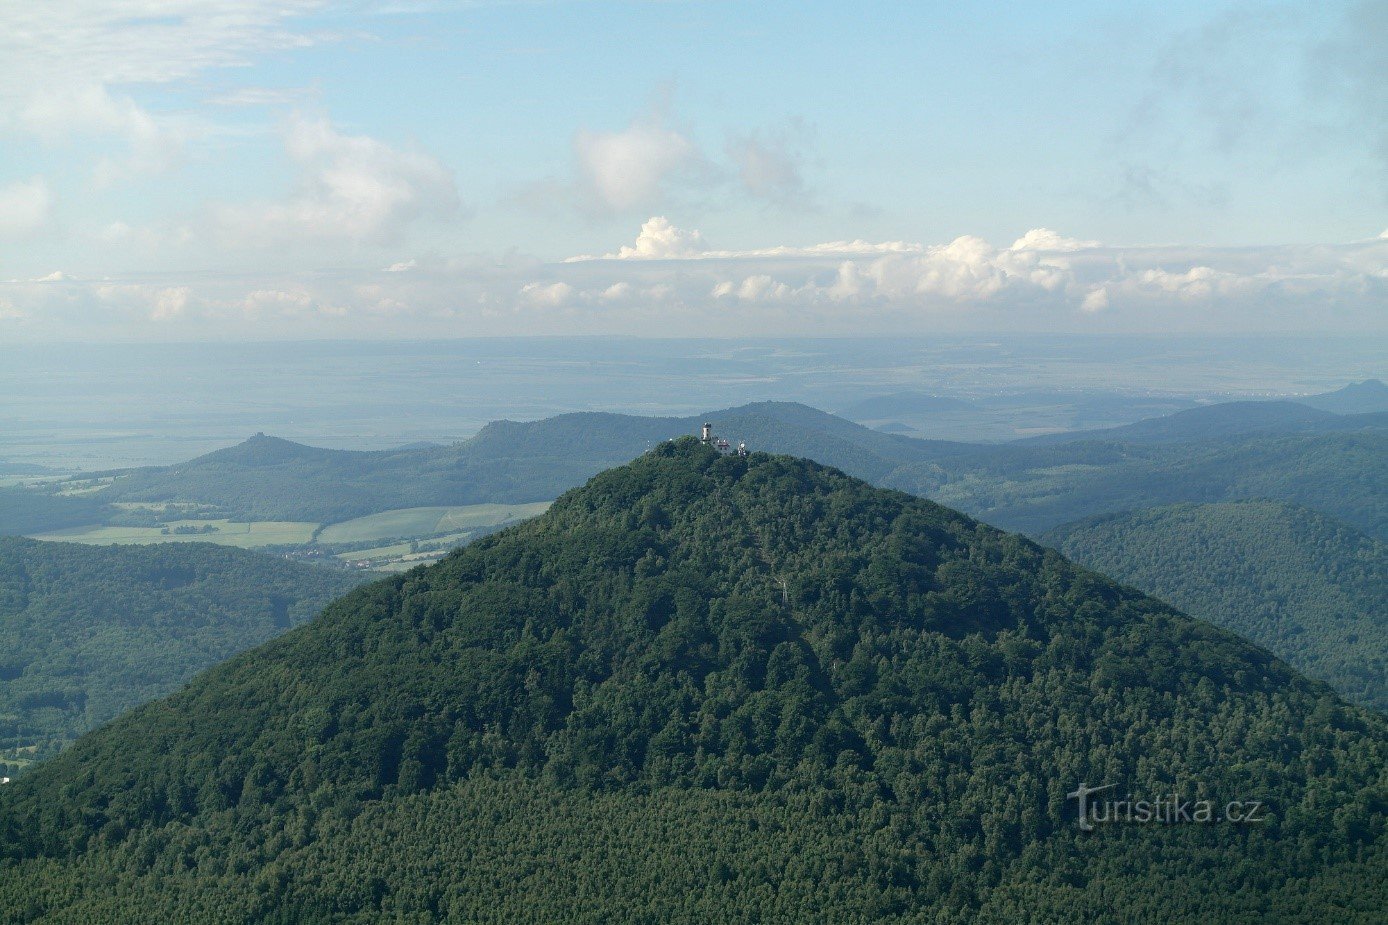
(284, 169)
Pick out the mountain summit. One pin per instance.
(712, 688)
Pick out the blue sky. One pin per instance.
(283, 168)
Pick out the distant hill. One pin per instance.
(1311, 589)
(902, 404)
(267, 478)
(87, 632)
(717, 689)
(1367, 397)
(1033, 488)
(1340, 466)
(1218, 420)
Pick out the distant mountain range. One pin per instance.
(1283, 450)
(1227, 419)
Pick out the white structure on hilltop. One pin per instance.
(720, 444)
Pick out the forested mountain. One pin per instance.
(707, 688)
(1310, 588)
(1367, 397)
(87, 632)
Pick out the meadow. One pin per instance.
(426, 521)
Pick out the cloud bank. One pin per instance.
(670, 281)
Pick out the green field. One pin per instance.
(435, 523)
(427, 521)
(227, 533)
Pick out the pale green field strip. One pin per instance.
(456, 522)
(83, 488)
(426, 521)
(245, 535)
(23, 481)
(397, 549)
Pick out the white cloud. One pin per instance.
(1044, 239)
(25, 208)
(627, 169)
(658, 240)
(967, 284)
(546, 295)
(769, 164)
(350, 187)
(64, 64)
(1042, 276)
(1096, 300)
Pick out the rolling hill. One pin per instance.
(1339, 467)
(1036, 488)
(707, 688)
(1218, 420)
(268, 478)
(88, 632)
(1311, 589)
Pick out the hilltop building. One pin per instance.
(721, 444)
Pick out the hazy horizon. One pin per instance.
(102, 406)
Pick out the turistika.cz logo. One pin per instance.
(1164, 810)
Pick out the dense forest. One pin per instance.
(1311, 589)
(87, 632)
(707, 688)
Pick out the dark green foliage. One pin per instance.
(1311, 589)
(707, 688)
(87, 632)
(23, 510)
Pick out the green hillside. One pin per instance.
(708, 688)
(1036, 488)
(88, 632)
(1311, 589)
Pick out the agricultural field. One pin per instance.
(223, 532)
(427, 521)
(384, 542)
